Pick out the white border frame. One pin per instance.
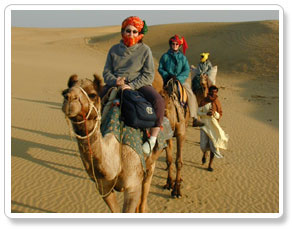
(7, 82)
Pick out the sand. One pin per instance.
(47, 175)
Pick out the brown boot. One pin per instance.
(196, 123)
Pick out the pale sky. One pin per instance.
(95, 18)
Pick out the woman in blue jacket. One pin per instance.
(174, 64)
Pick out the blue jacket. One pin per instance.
(174, 63)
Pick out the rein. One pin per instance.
(173, 96)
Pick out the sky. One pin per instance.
(96, 18)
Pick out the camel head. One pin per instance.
(79, 97)
(204, 81)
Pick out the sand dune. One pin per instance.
(47, 174)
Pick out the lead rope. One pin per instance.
(92, 165)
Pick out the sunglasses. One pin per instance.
(129, 31)
(174, 44)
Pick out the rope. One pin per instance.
(92, 165)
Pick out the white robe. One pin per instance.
(212, 127)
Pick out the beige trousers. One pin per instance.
(192, 100)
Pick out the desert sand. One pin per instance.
(47, 175)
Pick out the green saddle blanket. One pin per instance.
(131, 136)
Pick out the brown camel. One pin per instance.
(202, 92)
(109, 164)
(178, 118)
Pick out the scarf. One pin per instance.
(130, 41)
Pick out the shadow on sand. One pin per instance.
(20, 148)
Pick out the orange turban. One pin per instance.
(134, 21)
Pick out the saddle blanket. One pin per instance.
(131, 136)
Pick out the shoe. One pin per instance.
(196, 123)
(148, 146)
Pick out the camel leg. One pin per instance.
(176, 192)
(170, 179)
(112, 202)
(150, 166)
(211, 161)
(131, 198)
(137, 210)
(146, 188)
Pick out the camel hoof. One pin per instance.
(173, 194)
(210, 169)
(167, 186)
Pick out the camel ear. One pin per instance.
(98, 82)
(72, 80)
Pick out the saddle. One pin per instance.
(178, 93)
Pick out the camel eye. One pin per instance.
(92, 96)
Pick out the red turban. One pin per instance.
(180, 41)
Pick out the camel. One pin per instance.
(202, 92)
(178, 118)
(205, 82)
(111, 165)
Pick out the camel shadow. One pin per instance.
(165, 196)
(46, 134)
(159, 177)
(160, 187)
(15, 203)
(19, 148)
(53, 105)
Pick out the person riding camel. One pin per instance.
(205, 64)
(129, 65)
(174, 64)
